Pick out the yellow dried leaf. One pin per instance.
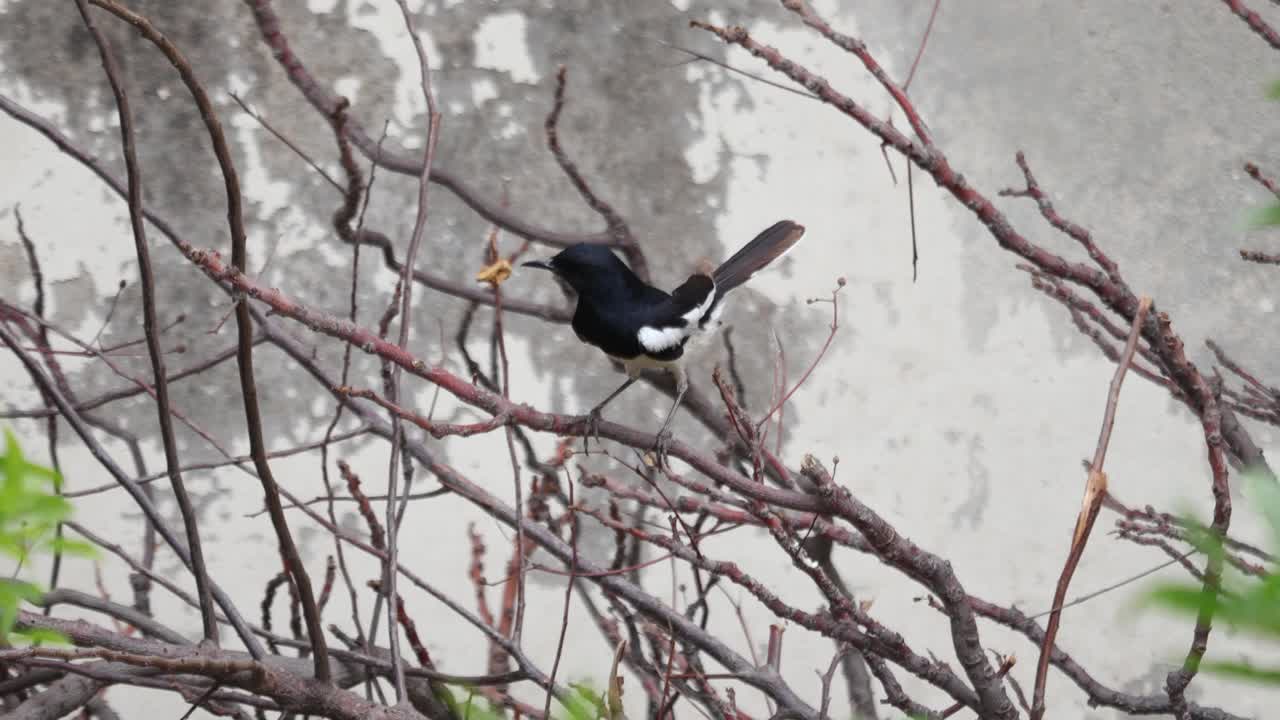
(495, 274)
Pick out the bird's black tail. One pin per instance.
(768, 246)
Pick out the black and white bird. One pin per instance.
(646, 328)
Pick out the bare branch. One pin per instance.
(149, 323)
(1095, 491)
(244, 324)
(1255, 22)
(139, 497)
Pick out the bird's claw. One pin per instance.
(592, 429)
(660, 443)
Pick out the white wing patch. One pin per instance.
(659, 339)
(655, 339)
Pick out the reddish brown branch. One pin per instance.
(324, 101)
(410, 629)
(822, 623)
(617, 227)
(1116, 296)
(437, 430)
(1006, 664)
(276, 679)
(568, 589)
(835, 325)
(698, 405)
(393, 509)
(490, 402)
(924, 40)
(130, 390)
(244, 323)
(268, 598)
(498, 660)
(1098, 694)
(1095, 491)
(858, 49)
(1255, 22)
(929, 570)
(51, 421)
(150, 323)
(1264, 180)
(1256, 256)
(1177, 681)
(1083, 312)
(1068, 228)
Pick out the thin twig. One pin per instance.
(568, 593)
(617, 227)
(244, 324)
(289, 143)
(149, 323)
(1255, 22)
(81, 428)
(835, 325)
(351, 198)
(406, 321)
(51, 422)
(1095, 491)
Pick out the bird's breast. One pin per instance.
(644, 362)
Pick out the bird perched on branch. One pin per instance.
(644, 327)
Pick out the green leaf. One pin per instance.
(42, 636)
(50, 508)
(13, 460)
(470, 710)
(583, 703)
(1244, 671)
(1264, 217)
(1183, 598)
(1264, 496)
(19, 589)
(11, 545)
(1273, 91)
(69, 546)
(29, 514)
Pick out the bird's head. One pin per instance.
(587, 268)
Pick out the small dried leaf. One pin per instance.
(614, 695)
(495, 274)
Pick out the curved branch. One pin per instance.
(325, 102)
(244, 326)
(150, 325)
(1117, 296)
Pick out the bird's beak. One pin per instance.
(537, 264)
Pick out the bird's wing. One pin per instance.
(671, 322)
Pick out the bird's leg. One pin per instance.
(593, 415)
(664, 435)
